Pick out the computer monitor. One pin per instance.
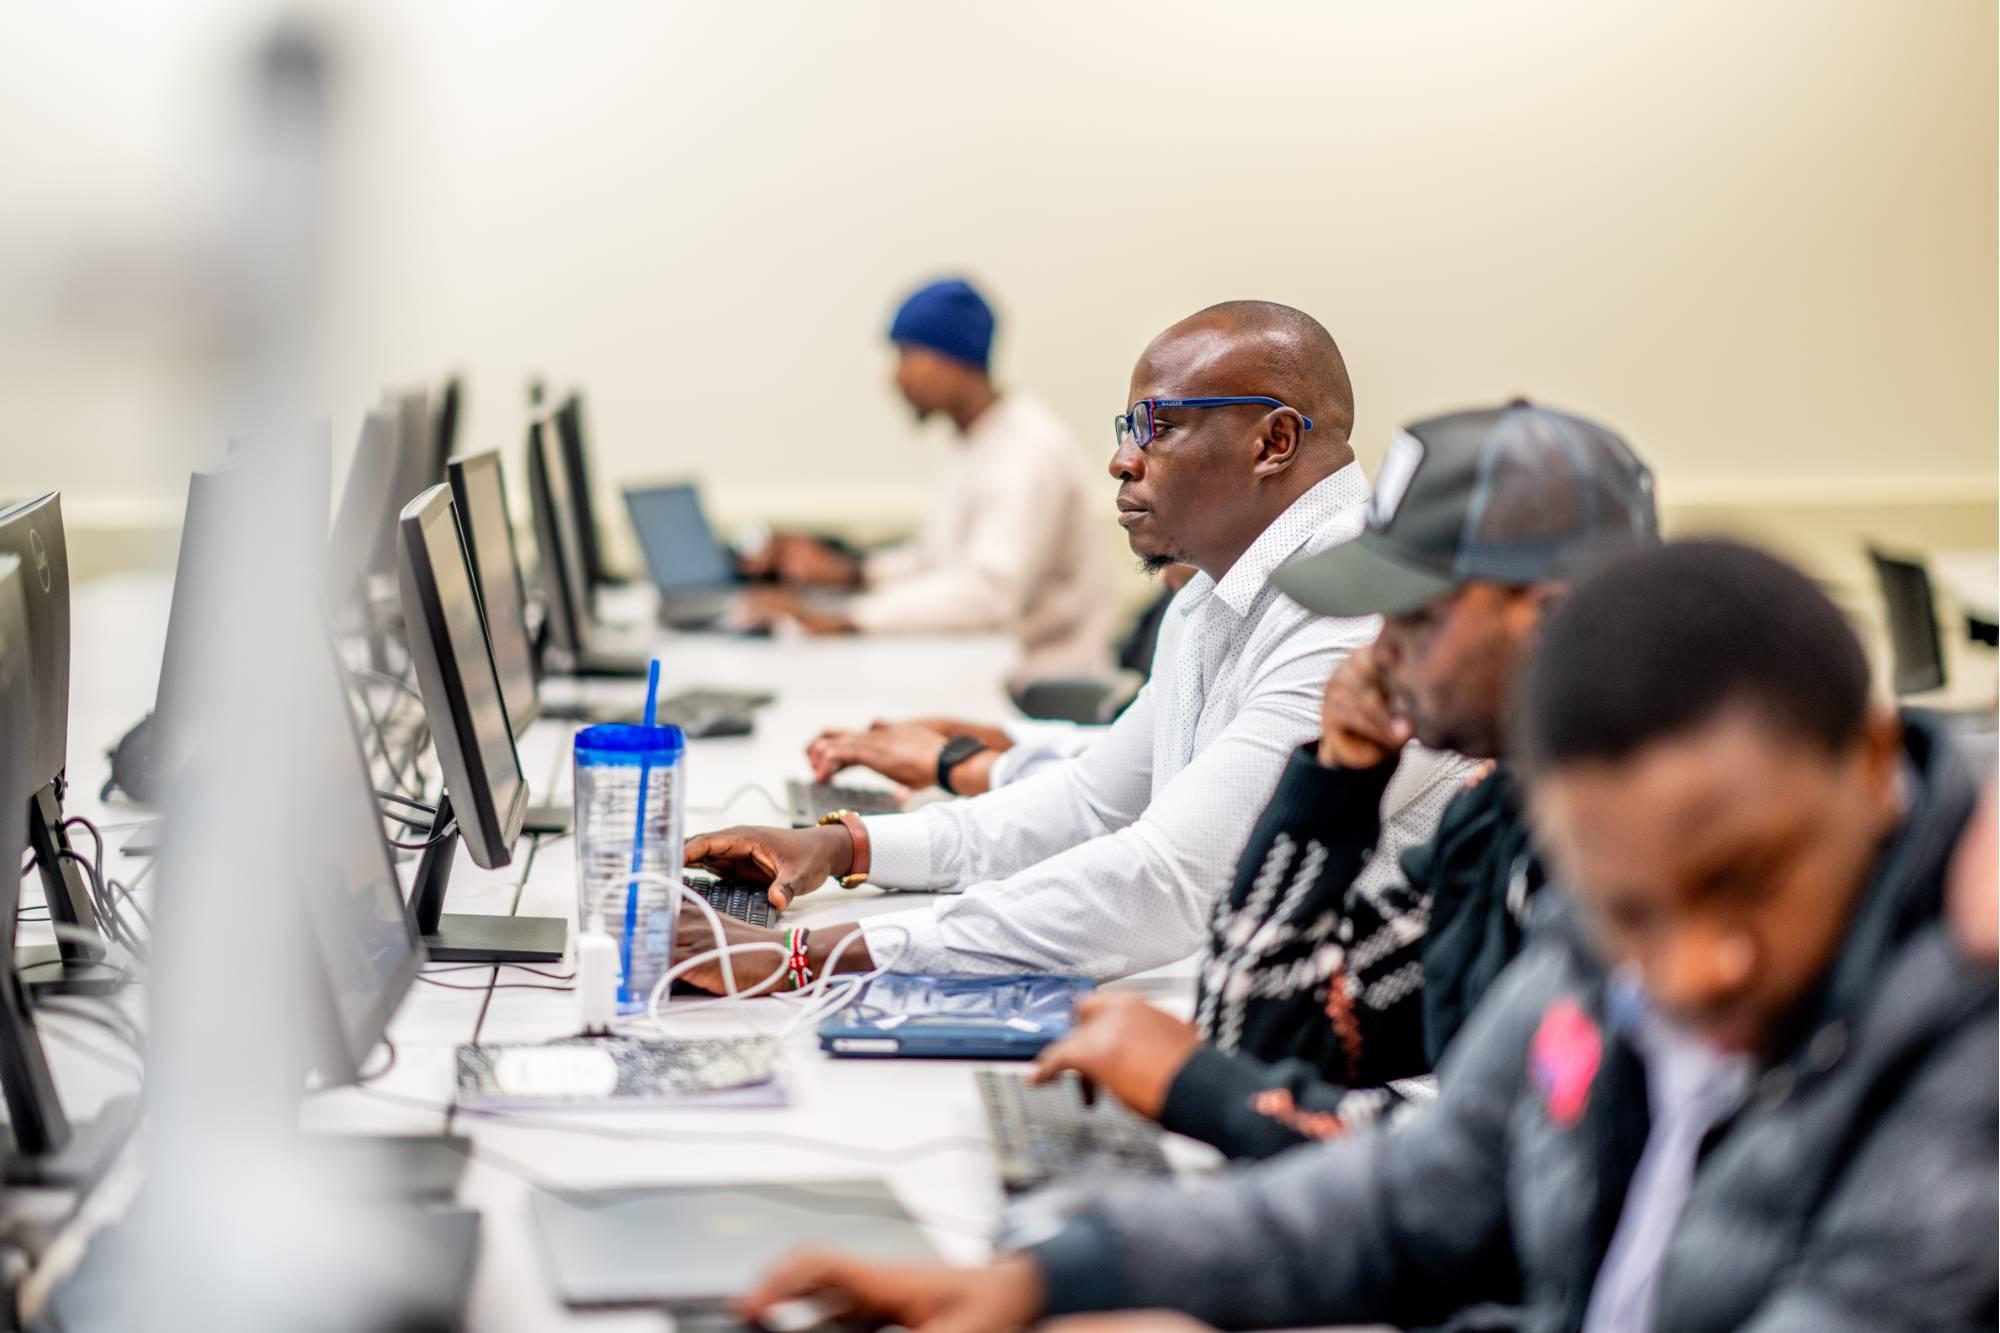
(485, 795)
(576, 464)
(480, 493)
(368, 508)
(444, 427)
(197, 616)
(680, 547)
(42, 1145)
(559, 550)
(416, 452)
(33, 533)
(365, 946)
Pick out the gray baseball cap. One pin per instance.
(1517, 494)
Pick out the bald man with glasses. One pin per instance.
(1233, 458)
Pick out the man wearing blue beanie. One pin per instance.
(1009, 542)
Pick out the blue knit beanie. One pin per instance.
(948, 317)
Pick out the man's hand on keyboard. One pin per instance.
(903, 752)
(791, 861)
(1125, 1045)
(999, 1298)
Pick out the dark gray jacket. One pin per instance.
(1855, 1190)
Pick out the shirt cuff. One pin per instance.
(899, 851)
(1080, 1270)
(1203, 1100)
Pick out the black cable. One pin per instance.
(448, 831)
(107, 891)
(498, 985)
(127, 1036)
(107, 913)
(381, 737)
(404, 800)
(126, 977)
(101, 1057)
(132, 901)
(420, 825)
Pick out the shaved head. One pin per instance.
(1263, 347)
(1213, 477)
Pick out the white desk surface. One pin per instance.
(876, 1108)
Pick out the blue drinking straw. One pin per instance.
(638, 840)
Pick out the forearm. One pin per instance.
(1253, 1251)
(842, 947)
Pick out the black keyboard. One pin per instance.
(1049, 1135)
(695, 702)
(810, 800)
(745, 902)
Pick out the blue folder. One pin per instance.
(954, 1018)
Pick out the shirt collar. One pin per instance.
(1311, 520)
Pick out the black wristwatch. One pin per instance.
(955, 752)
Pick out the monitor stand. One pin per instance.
(85, 1155)
(462, 938)
(74, 965)
(40, 1146)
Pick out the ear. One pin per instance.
(1279, 438)
(1881, 749)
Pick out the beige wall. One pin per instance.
(1758, 237)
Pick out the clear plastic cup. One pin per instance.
(630, 783)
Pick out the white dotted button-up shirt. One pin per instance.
(1108, 864)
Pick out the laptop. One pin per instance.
(695, 573)
(693, 1247)
(810, 800)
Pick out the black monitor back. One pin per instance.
(456, 677)
(34, 1112)
(583, 500)
(368, 507)
(479, 490)
(364, 945)
(33, 532)
(444, 427)
(418, 466)
(565, 593)
(1915, 649)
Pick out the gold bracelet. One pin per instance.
(858, 856)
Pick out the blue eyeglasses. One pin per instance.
(1136, 426)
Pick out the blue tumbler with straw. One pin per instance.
(629, 802)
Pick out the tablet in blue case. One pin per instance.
(954, 1018)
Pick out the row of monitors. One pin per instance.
(476, 671)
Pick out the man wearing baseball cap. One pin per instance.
(1009, 542)
(1479, 521)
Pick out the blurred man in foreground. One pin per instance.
(1010, 542)
(1749, 1083)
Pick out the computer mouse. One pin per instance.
(705, 725)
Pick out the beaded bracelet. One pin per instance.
(798, 966)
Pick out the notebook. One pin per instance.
(578, 1072)
(954, 1018)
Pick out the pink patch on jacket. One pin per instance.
(1563, 1060)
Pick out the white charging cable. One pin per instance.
(826, 995)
